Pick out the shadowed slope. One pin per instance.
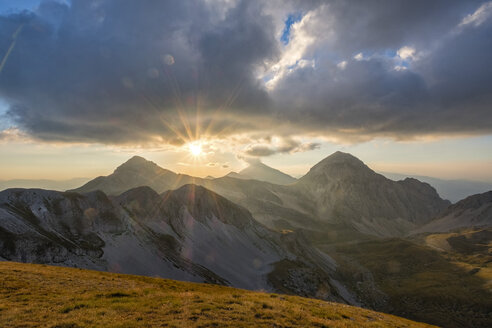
(190, 234)
(345, 189)
(259, 171)
(473, 211)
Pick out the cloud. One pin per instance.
(407, 52)
(13, 135)
(279, 146)
(341, 65)
(166, 72)
(479, 16)
(441, 85)
(115, 72)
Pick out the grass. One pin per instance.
(46, 296)
(470, 250)
(420, 283)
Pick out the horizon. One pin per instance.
(387, 174)
(195, 92)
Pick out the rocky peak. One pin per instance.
(338, 165)
(262, 172)
(137, 163)
(473, 201)
(201, 203)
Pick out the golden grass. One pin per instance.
(47, 296)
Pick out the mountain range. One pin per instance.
(340, 190)
(453, 190)
(338, 233)
(190, 234)
(473, 211)
(61, 185)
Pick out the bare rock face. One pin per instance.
(346, 190)
(472, 212)
(189, 234)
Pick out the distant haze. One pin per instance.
(453, 190)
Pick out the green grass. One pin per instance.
(419, 282)
(47, 296)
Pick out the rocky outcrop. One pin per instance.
(188, 234)
(472, 212)
(345, 190)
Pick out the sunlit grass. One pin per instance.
(46, 296)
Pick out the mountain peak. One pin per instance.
(140, 165)
(136, 161)
(135, 172)
(341, 157)
(260, 171)
(338, 164)
(201, 202)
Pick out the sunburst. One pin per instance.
(195, 149)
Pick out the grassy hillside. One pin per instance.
(46, 296)
(470, 250)
(418, 282)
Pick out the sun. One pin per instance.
(195, 149)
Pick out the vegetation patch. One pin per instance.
(37, 296)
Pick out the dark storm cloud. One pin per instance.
(284, 146)
(138, 71)
(445, 89)
(388, 24)
(118, 71)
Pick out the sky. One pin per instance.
(203, 87)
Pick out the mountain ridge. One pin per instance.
(259, 171)
(342, 186)
(453, 190)
(471, 212)
(340, 189)
(189, 234)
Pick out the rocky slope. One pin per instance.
(259, 171)
(340, 192)
(345, 190)
(473, 211)
(188, 234)
(453, 190)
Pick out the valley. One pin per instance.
(342, 233)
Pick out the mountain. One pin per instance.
(101, 299)
(453, 190)
(259, 171)
(344, 189)
(137, 172)
(471, 212)
(339, 192)
(60, 185)
(188, 234)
